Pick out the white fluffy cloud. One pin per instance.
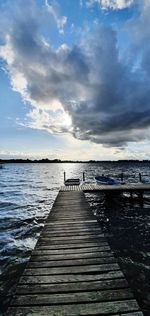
(112, 4)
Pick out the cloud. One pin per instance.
(111, 4)
(54, 11)
(86, 90)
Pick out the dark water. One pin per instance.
(27, 192)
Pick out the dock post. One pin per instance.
(83, 176)
(140, 177)
(131, 196)
(121, 177)
(141, 198)
(64, 176)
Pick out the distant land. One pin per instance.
(46, 160)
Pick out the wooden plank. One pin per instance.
(74, 269)
(69, 226)
(73, 216)
(77, 252)
(67, 298)
(72, 237)
(53, 230)
(89, 223)
(76, 212)
(40, 279)
(46, 240)
(72, 248)
(66, 202)
(75, 199)
(66, 234)
(72, 222)
(69, 239)
(39, 263)
(71, 208)
(70, 233)
(113, 283)
(102, 308)
(38, 255)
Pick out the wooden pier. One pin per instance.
(72, 270)
(87, 187)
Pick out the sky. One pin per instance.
(75, 79)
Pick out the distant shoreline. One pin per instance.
(69, 161)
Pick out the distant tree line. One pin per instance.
(46, 160)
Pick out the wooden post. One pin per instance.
(83, 176)
(141, 198)
(131, 197)
(140, 177)
(122, 177)
(64, 176)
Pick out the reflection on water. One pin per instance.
(27, 192)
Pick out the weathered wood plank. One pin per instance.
(73, 215)
(70, 277)
(102, 308)
(72, 222)
(66, 218)
(83, 234)
(66, 298)
(69, 205)
(75, 209)
(73, 230)
(45, 239)
(73, 248)
(39, 255)
(39, 263)
(113, 283)
(74, 225)
(73, 237)
(76, 212)
(71, 233)
(74, 269)
(69, 226)
(74, 218)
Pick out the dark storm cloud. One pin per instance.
(107, 98)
